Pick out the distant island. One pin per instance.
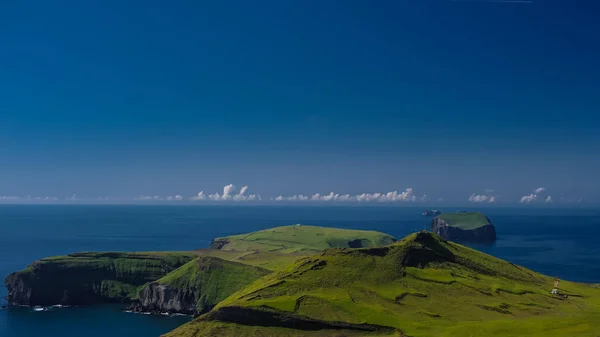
(310, 281)
(464, 226)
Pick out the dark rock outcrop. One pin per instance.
(158, 298)
(482, 234)
(218, 243)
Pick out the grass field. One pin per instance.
(421, 286)
(299, 239)
(465, 221)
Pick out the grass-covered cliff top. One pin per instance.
(125, 258)
(82, 278)
(421, 286)
(299, 239)
(466, 221)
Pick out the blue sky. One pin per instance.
(449, 98)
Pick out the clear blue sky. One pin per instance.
(450, 98)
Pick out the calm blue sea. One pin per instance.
(558, 242)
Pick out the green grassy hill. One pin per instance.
(421, 286)
(300, 239)
(465, 221)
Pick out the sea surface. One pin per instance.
(557, 242)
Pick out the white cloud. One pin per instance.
(526, 199)
(406, 195)
(478, 198)
(298, 197)
(148, 197)
(539, 190)
(549, 199)
(9, 197)
(175, 197)
(229, 193)
(241, 195)
(199, 196)
(481, 198)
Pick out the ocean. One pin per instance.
(557, 242)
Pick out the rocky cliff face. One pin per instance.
(87, 278)
(196, 287)
(218, 243)
(159, 298)
(482, 234)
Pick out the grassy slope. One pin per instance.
(465, 221)
(303, 239)
(422, 286)
(264, 259)
(212, 278)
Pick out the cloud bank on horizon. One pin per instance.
(393, 196)
(231, 193)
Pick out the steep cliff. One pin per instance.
(464, 226)
(197, 286)
(85, 278)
